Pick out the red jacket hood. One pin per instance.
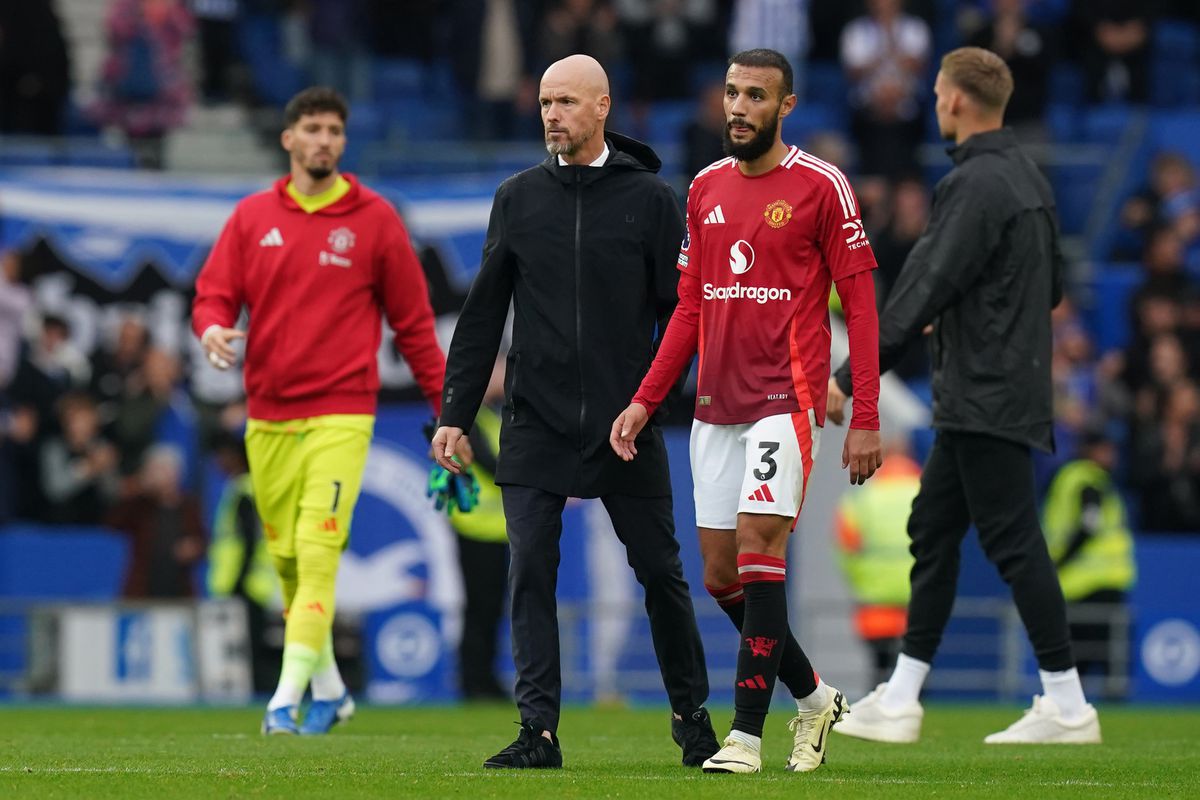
(358, 196)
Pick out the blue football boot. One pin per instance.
(324, 714)
(280, 722)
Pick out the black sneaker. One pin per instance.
(531, 750)
(694, 735)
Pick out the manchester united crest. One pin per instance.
(341, 239)
(778, 213)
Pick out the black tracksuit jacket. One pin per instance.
(986, 272)
(586, 255)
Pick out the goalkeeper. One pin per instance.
(317, 260)
(482, 547)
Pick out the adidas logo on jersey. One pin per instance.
(273, 239)
(762, 494)
(715, 217)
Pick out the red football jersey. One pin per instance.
(765, 250)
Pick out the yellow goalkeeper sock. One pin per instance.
(310, 617)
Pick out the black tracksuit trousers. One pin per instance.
(646, 526)
(972, 477)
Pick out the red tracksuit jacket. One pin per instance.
(315, 286)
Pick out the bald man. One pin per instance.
(584, 247)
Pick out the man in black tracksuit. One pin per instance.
(584, 246)
(986, 274)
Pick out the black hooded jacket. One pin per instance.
(587, 257)
(986, 272)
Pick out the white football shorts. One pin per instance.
(755, 467)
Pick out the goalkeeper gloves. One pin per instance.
(450, 491)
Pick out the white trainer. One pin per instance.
(871, 720)
(1042, 723)
(812, 733)
(735, 756)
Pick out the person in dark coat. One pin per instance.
(584, 246)
(985, 274)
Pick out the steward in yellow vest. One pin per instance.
(1087, 534)
(872, 549)
(238, 562)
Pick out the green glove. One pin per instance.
(450, 491)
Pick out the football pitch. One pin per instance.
(170, 754)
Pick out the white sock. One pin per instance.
(904, 687)
(327, 683)
(815, 701)
(1065, 689)
(299, 662)
(286, 694)
(753, 742)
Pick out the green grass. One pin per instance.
(170, 754)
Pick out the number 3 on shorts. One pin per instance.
(769, 449)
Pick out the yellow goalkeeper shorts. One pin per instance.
(307, 474)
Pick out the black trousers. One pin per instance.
(485, 572)
(646, 526)
(989, 481)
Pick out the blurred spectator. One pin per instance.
(909, 213)
(1115, 48)
(164, 527)
(703, 136)
(238, 562)
(15, 303)
(19, 489)
(662, 38)
(151, 393)
(580, 26)
(50, 367)
(1172, 178)
(885, 55)
(144, 87)
(1165, 467)
(1028, 49)
(78, 466)
(872, 550)
(216, 23)
(780, 25)
(1087, 533)
(495, 55)
(35, 73)
(113, 366)
(1162, 264)
(338, 31)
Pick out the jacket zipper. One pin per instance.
(579, 297)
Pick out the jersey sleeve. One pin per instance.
(219, 286)
(689, 254)
(404, 295)
(840, 234)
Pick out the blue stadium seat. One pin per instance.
(398, 77)
(1176, 39)
(1063, 121)
(1105, 124)
(1179, 131)
(825, 85)
(261, 45)
(1175, 64)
